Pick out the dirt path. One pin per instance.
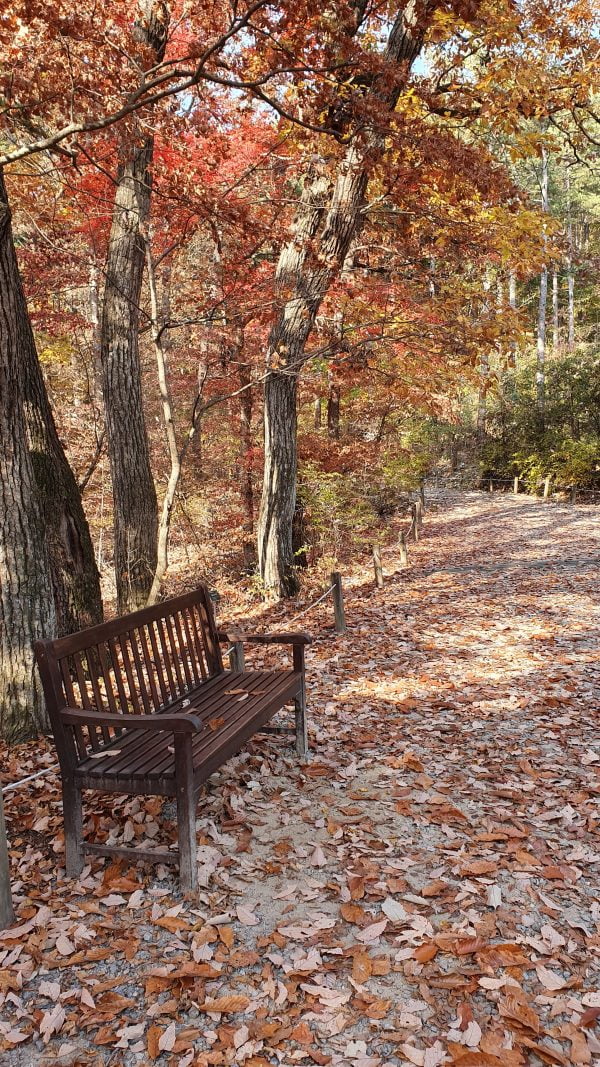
(425, 891)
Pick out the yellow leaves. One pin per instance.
(411, 105)
(58, 353)
(444, 23)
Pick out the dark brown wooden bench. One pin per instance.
(143, 705)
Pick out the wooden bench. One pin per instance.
(143, 705)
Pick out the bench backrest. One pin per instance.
(138, 664)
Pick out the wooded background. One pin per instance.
(262, 268)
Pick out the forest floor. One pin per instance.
(424, 891)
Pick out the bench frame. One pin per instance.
(181, 626)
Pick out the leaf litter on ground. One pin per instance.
(424, 891)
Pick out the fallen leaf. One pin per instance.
(226, 1005)
(373, 932)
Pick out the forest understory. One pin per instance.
(430, 901)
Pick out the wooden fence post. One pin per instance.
(573, 494)
(547, 486)
(403, 550)
(422, 496)
(236, 657)
(414, 523)
(516, 486)
(7, 916)
(491, 487)
(419, 514)
(377, 566)
(338, 603)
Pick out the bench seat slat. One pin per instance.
(144, 755)
(231, 709)
(195, 698)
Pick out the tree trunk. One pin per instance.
(27, 610)
(555, 325)
(74, 573)
(94, 315)
(484, 372)
(570, 275)
(333, 409)
(571, 306)
(540, 377)
(327, 220)
(512, 291)
(164, 526)
(484, 377)
(276, 555)
(134, 493)
(512, 303)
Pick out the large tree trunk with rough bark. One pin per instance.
(134, 492)
(75, 578)
(278, 503)
(328, 218)
(27, 607)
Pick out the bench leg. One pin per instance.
(301, 726)
(73, 819)
(186, 813)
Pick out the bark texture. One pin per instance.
(135, 502)
(334, 398)
(555, 313)
(540, 375)
(27, 609)
(164, 526)
(570, 274)
(75, 578)
(484, 372)
(512, 303)
(328, 218)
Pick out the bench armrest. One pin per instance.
(269, 639)
(279, 639)
(179, 723)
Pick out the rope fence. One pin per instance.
(573, 492)
(30, 777)
(299, 614)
